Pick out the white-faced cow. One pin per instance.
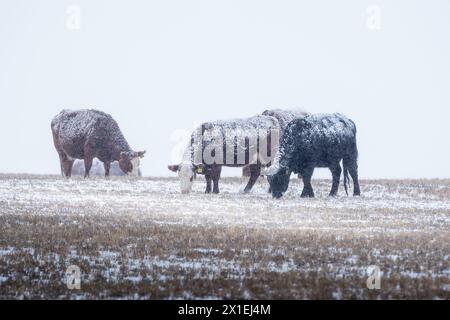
(233, 143)
(315, 141)
(88, 134)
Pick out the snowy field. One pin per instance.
(141, 238)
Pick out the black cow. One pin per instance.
(316, 141)
(88, 134)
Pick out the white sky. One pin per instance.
(160, 66)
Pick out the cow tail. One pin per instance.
(345, 178)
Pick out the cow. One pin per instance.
(242, 138)
(98, 169)
(87, 134)
(316, 141)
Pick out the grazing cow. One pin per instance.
(98, 169)
(242, 138)
(316, 141)
(88, 134)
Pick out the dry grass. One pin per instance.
(142, 239)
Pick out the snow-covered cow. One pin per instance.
(316, 141)
(234, 143)
(98, 169)
(88, 134)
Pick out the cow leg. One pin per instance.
(107, 166)
(61, 164)
(88, 158)
(336, 172)
(67, 165)
(351, 164)
(255, 172)
(208, 182)
(307, 187)
(61, 167)
(87, 166)
(61, 153)
(215, 174)
(353, 170)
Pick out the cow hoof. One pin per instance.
(334, 195)
(307, 196)
(277, 195)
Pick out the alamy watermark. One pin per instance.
(233, 146)
(374, 280)
(73, 277)
(73, 17)
(373, 18)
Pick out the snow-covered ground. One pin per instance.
(141, 238)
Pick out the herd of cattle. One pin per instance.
(275, 143)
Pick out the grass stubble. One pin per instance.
(141, 239)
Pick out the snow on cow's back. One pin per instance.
(78, 123)
(241, 127)
(255, 122)
(331, 126)
(247, 127)
(72, 128)
(284, 117)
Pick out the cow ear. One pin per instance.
(174, 168)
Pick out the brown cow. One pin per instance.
(88, 134)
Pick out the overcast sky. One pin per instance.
(159, 67)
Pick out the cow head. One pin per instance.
(187, 173)
(279, 182)
(129, 162)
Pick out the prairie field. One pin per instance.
(142, 239)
